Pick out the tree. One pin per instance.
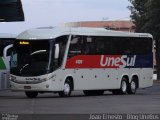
(138, 14)
(146, 16)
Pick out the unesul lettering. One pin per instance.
(120, 62)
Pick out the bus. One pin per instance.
(6, 43)
(62, 60)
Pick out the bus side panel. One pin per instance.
(61, 75)
(92, 79)
(146, 78)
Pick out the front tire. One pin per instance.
(32, 94)
(67, 89)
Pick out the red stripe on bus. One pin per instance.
(94, 61)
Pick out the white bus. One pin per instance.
(90, 59)
(6, 41)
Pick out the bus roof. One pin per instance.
(7, 35)
(53, 32)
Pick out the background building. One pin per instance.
(127, 26)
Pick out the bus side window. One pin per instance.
(102, 45)
(75, 47)
(5, 42)
(14, 60)
(87, 45)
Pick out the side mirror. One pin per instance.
(5, 50)
(56, 51)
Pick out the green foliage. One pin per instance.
(155, 18)
(146, 16)
(139, 14)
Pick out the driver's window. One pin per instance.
(62, 42)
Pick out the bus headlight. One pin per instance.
(12, 78)
(44, 79)
(47, 78)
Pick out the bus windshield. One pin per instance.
(31, 58)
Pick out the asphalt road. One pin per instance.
(145, 101)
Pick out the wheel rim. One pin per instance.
(66, 88)
(133, 86)
(124, 86)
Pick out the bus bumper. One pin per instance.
(41, 87)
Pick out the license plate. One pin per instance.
(27, 87)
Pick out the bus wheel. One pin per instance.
(132, 87)
(67, 89)
(124, 87)
(30, 94)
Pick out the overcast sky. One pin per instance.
(40, 13)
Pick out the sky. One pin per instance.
(41, 13)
